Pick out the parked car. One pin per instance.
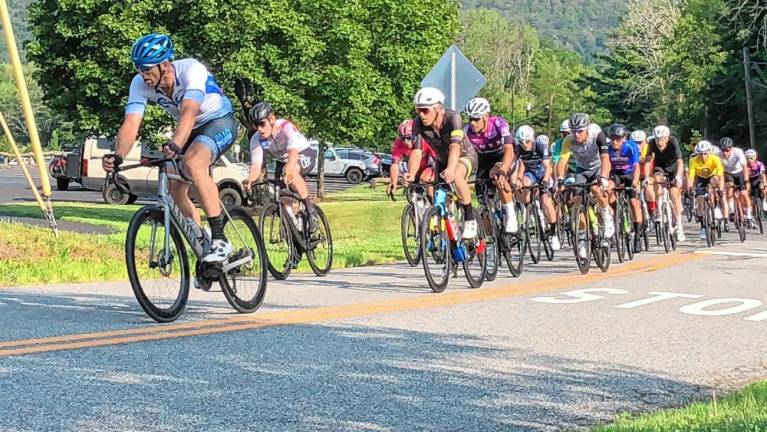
(339, 165)
(386, 162)
(372, 162)
(84, 166)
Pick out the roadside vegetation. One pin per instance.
(364, 225)
(742, 411)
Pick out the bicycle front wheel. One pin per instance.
(244, 285)
(320, 254)
(157, 264)
(278, 241)
(435, 250)
(581, 238)
(491, 240)
(475, 264)
(534, 235)
(409, 230)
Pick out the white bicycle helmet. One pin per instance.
(750, 153)
(428, 96)
(638, 136)
(565, 126)
(662, 132)
(703, 146)
(542, 140)
(477, 107)
(524, 133)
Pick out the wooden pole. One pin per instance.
(749, 102)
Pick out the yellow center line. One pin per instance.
(327, 313)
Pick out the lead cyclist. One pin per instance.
(205, 127)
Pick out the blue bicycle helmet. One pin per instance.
(151, 49)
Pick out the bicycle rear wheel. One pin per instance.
(159, 281)
(244, 286)
(409, 231)
(758, 216)
(320, 254)
(278, 241)
(435, 250)
(491, 241)
(740, 221)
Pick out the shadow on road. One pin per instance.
(344, 377)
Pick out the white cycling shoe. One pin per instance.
(469, 230)
(219, 251)
(555, 244)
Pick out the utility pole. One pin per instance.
(749, 103)
(551, 108)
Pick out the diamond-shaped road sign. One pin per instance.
(457, 77)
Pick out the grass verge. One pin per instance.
(365, 229)
(745, 411)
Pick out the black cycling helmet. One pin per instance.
(617, 129)
(579, 121)
(726, 143)
(259, 112)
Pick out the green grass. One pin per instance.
(364, 226)
(745, 410)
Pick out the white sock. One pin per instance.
(510, 210)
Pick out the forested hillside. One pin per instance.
(580, 25)
(18, 10)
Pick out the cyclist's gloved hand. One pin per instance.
(111, 162)
(569, 181)
(171, 149)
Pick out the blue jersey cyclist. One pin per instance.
(205, 126)
(624, 171)
(534, 168)
(491, 138)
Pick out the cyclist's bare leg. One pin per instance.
(745, 201)
(676, 201)
(726, 200)
(548, 208)
(461, 185)
(428, 176)
(523, 195)
(636, 210)
(180, 193)
(298, 184)
(197, 161)
(649, 192)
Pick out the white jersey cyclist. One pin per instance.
(193, 81)
(288, 138)
(735, 162)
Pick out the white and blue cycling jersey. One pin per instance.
(193, 81)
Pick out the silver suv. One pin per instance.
(339, 163)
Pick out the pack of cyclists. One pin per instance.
(650, 171)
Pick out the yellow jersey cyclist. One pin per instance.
(534, 168)
(205, 126)
(705, 174)
(295, 158)
(736, 177)
(587, 147)
(455, 157)
(492, 140)
(664, 156)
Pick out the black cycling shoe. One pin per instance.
(202, 284)
(637, 245)
(314, 225)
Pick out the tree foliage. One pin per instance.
(343, 69)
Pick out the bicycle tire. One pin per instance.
(406, 222)
(758, 216)
(583, 263)
(475, 249)
(326, 238)
(629, 228)
(487, 217)
(620, 243)
(436, 248)
(672, 232)
(257, 250)
(159, 314)
(533, 226)
(740, 221)
(283, 235)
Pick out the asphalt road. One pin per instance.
(372, 349)
(14, 188)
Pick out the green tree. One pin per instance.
(344, 70)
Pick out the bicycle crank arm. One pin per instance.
(237, 263)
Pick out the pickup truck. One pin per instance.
(84, 166)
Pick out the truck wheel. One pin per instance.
(62, 184)
(112, 195)
(230, 197)
(354, 175)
